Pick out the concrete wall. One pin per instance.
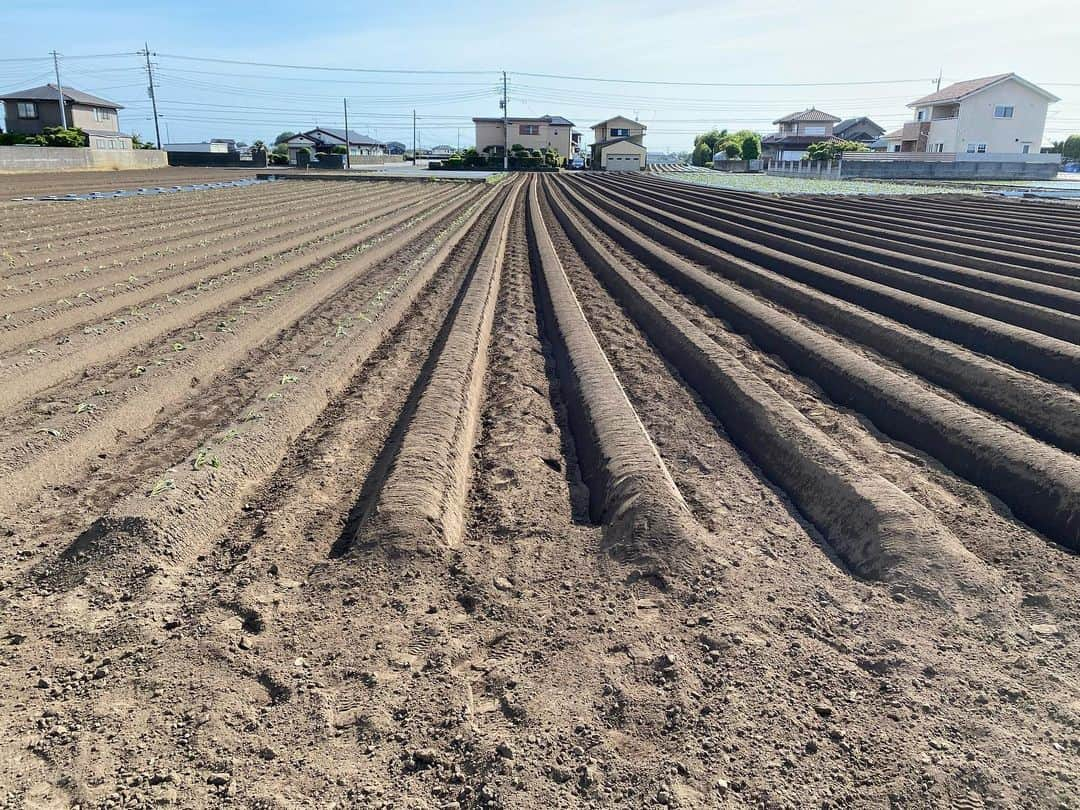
(53, 158)
(822, 169)
(959, 170)
(214, 159)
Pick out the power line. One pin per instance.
(329, 68)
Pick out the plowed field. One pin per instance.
(568, 492)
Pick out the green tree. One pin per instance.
(1068, 148)
(138, 143)
(703, 154)
(830, 150)
(284, 136)
(751, 146)
(732, 148)
(339, 149)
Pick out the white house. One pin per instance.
(1001, 114)
(618, 145)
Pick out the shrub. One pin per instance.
(339, 150)
(830, 150)
(703, 154)
(277, 159)
(454, 162)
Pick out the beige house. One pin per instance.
(618, 145)
(31, 111)
(545, 132)
(1002, 114)
(796, 132)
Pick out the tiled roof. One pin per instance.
(956, 91)
(806, 115)
(610, 141)
(355, 138)
(961, 90)
(848, 123)
(796, 140)
(47, 92)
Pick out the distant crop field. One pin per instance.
(770, 184)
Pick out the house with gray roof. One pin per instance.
(30, 112)
(322, 140)
(796, 132)
(861, 130)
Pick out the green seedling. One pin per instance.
(164, 485)
(197, 336)
(230, 434)
(289, 378)
(252, 416)
(204, 459)
(273, 395)
(138, 371)
(178, 347)
(83, 407)
(101, 392)
(132, 279)
(341, 331)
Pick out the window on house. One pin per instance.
(101, 114)
(27, 109)
(981, 148)
(1025, 149)
(937, 147)
(1003, 111)
(619, 132)
(814, 130)
(920, 115)
(896, 147)
(528, 129)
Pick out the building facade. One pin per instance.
(1001, 115)
(545, 132)
(796, 132)
(30, 112)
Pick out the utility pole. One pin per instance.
(414, 137)
(506, 129)
(59, 89)
(348, 163)
(939, 79)
(153, 95)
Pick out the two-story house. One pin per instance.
(618, 145)
(29, 112)
(860, 130)
(1002, 114)
(545, 132)
(797, 131)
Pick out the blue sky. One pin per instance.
(737, 43)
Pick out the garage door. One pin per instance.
(623, 163)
